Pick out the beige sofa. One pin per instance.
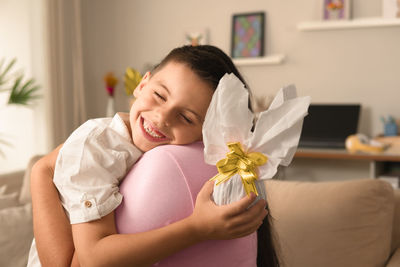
(15, 222)
(354, 223)
(338, 224)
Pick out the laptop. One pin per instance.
(328, 125)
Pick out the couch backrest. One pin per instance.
(332, 223)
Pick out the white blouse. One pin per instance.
(90, 166)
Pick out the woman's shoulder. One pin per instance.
(189, 159)
(185, 161)
(182, 155)
(180, 151)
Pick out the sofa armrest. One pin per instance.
(396, 222)
(394, 260)
(25, 195)
(12, 180)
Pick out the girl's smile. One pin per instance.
(152, 133)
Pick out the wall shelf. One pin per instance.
(269, 60)
(347, 24)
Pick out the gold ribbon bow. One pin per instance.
(244, 164)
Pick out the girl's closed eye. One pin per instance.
(186, 118)
(158, 95)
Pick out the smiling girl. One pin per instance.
(170, 107)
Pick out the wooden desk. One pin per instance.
(380, 163)
(387, 155)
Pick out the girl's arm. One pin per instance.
(98, 244)
(51, 226)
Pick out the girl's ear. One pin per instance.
(142, 83)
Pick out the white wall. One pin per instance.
(339, 66)
(14, 42)
(21, 37)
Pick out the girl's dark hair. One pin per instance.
(210, 64)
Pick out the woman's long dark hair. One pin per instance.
(210, 64)
(266, 252)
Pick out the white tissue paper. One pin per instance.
(276, 133)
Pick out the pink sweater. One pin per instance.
(161, 189)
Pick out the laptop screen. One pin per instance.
(328, 125)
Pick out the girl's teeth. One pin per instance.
(149, 130)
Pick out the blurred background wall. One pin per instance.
(337, 66)
(333, 66)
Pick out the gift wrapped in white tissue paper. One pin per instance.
(275, 134)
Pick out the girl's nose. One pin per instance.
(163, 117)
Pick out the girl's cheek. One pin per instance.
(191, 135)
(147, 101)
(151, 101)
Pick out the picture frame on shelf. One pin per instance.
(247, 40)
(336, 9)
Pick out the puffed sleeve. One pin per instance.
(90, 166)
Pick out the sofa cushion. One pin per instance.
(332, 223)
(15, 235)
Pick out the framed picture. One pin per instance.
(336, 9)
(248, 35)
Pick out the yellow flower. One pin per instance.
(132, 78)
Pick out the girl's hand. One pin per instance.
(228, 221)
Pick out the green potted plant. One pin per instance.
(21, 91)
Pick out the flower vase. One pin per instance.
(334, 14)
(110, 106)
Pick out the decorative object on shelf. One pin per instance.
(111, 81)
(196, 37)
(248, 35)
(362, 143)
(336, 9)
(389, 126)
(391, 9)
